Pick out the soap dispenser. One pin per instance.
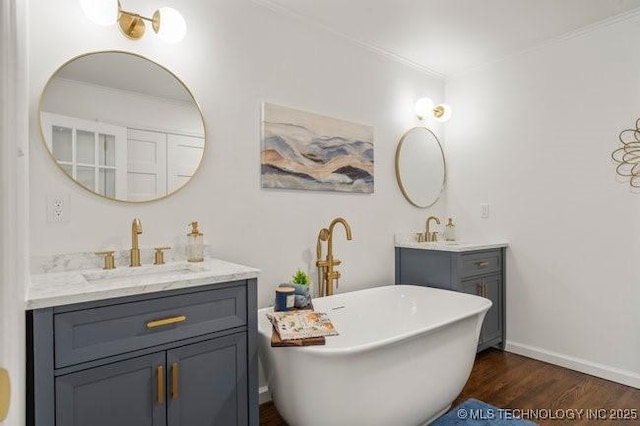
(195, 245)
(450, 231)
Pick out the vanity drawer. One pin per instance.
(485, 262)
(100, 332)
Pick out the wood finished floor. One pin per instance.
(507, 380)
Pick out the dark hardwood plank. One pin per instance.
(512, 381)
(269, 415)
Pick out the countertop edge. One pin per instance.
(70, 299)
(60, 294)
(455, 248)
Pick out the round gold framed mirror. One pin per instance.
(420, 167)
(122, 126)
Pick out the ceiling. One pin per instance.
(450, 36)
(126, 72)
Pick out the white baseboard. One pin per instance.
(263, 394)
(617, 375)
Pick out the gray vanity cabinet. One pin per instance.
(176, 358)
(476, 272)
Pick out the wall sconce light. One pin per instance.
(424, 108)
(168, 23)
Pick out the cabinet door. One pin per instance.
(492, 328)
(491, 288)
(124, 393)
(474, 286)
(207, 383)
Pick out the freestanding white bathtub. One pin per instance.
(403, 355)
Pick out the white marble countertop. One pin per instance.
(67, 287)
(453, 246)
(408, 241)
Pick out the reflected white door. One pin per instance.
(147, 165)
(90, 152)
(184, 154)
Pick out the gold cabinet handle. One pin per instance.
(174, 380)
(160, 384)
(480, 290)
(482, 265)
(166, 321)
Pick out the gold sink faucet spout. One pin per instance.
(326, 272)
(428, 235)
(136, 229)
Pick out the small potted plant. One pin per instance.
(301, 282)
(301, 278)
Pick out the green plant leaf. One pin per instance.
(300, 277)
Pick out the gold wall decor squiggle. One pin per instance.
(628, 155)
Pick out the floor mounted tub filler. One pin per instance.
(403, 355)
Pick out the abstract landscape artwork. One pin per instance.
(302, 150)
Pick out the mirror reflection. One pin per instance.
(420, 167)
(122, 126)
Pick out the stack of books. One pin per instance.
(300, 328)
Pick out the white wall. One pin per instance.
(14, 186)
(532, 135)
(236, 55)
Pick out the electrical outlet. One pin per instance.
(57, 208)
(484, 211)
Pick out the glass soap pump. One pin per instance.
(450, 231)
(195, 245)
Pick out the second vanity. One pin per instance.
(475, 268)
(173, 344)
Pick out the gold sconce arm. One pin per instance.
(132, 24)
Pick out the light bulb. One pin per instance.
(101, 12)
(442, 113)
(171, 25)
(423, 108)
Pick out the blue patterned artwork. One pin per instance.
(302, 150)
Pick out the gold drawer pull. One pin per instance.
(166, 321)
(482, 265)
(160, 384)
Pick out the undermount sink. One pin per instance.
(177, 268)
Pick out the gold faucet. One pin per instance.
(136, 229)
(326, 272)
(431, 236)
